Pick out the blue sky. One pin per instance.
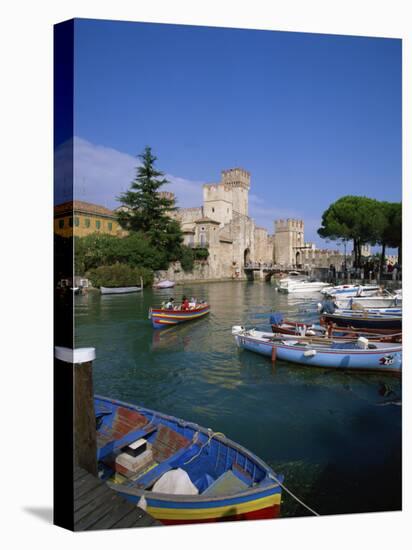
(312, 117)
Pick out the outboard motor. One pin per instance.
(276, 318)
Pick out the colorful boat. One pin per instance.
(360, 355)
(224, 481)
(162, 318)
(364, 319)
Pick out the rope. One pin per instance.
(211, 436)
(294, 496)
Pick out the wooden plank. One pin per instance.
(79, 473)
(88, 499)
(116, 514)
(98, 507)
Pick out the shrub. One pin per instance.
(119, 275)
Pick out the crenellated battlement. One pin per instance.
(290, 224)
(236, 177)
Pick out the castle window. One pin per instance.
(87, 222)
(76, 221)
(110, 226)
(98, 224)
(61, 224)
(213, 208)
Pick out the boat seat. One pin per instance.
(127, 425)
(167, 443)
(226, 484)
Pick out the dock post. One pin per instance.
(84, 421)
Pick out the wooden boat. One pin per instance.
(166, 317)
(119, 289)
(226, 481)
(363, 320)
(164, 284)
(360, 355)
(365, 302)
(300, 329)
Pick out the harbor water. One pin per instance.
(336, 436)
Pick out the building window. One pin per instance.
(109, 226)
(228, 210)
(213, 209)
(61, 224)
(98, 224)
(76, 221)
(71, 222)
(87, 222)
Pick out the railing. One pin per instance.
(198, 245)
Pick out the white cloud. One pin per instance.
(101, 173)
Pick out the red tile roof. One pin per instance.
(73, 207)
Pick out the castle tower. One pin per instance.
(238, 180)
(289, 237)
(222, 200)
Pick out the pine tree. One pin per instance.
(146, 210)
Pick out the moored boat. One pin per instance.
(164, 284)
(166, 317)
(364, 319)
(302, 286)
(351, 290)
(119, 289)
(360, 355)
(186, 473)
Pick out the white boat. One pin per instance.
(164, 284)
(119, 289)
(302, 286)
(365, 302)
(349, 291)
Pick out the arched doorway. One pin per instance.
(246, 256)
(298, 259)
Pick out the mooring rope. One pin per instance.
(211, 436)
(294, 496)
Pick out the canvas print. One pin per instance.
(228, 274)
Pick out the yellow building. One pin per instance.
(79, 218)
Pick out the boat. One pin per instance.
(351, 290)
(359, 355)
(119, 289)
(364, 319)
(164, 284)
(293, 329)
(302, 286)
(162, 318)
(179, 471)
(362, 302)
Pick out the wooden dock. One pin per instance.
(98, 507)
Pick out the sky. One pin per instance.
(312, 117)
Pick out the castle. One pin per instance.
(233, 239)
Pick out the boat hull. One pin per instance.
(205, 451)
(162, 318)
(119, 290)
(363, 322)
(388, 359)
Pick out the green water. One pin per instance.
(326, 431)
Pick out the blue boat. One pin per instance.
(359, 355)
(139, 448)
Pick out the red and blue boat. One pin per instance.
(227, 481)
(162, 318)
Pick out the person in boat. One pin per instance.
(185, 304)
(192, 303)
(170, 304)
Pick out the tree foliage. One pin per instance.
(119, 275)
(360, 219)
